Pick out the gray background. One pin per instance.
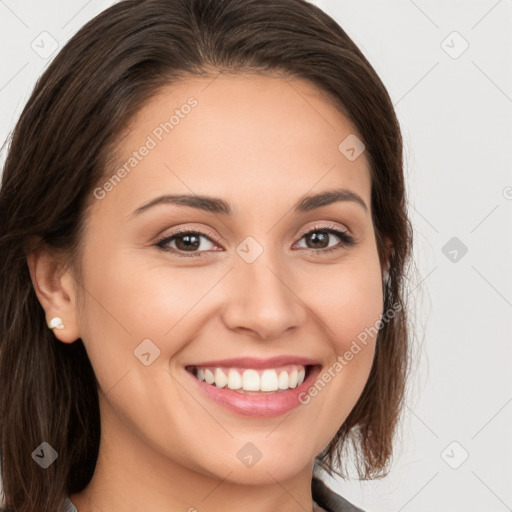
(455, 109)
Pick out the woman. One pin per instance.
(204, 240)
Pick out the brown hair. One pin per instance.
(59, 151)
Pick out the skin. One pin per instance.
(261, 144)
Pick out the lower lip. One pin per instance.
(264, 405)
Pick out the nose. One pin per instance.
(262, 300)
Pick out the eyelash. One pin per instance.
(346, 240)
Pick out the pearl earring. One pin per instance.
(55, 323)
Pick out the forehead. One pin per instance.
(238, 135)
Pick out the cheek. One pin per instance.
(347, 299)
(348, 302)
(129, 301)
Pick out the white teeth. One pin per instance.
(234, 379)
(209, 377)
(251, 380)
(292, 378)
(283, 380)
(268, 380)
(220, 378)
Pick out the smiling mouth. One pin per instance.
(252, 381)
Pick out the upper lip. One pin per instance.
(257, 362)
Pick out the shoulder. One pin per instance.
(329, 500)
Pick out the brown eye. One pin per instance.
(186, 242)
(317, 240)
(324, 239)
(189, 242)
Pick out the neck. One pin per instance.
(132, 475)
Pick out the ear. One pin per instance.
(55, 288)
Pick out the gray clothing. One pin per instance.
(329, 500)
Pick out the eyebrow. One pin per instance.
(219, 206)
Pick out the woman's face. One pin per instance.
(255, 291)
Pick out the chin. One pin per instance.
(280, 465)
